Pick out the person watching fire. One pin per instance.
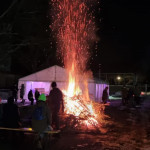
(56, 102)
(105, 96)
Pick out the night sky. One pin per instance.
(124, 33)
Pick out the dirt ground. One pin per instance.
(127, 129)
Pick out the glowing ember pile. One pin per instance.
(88, 114)
(74, 30)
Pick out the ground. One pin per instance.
(127, 129)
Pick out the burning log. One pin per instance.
(83, 115)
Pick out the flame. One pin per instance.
(74, 30)
(79, 104)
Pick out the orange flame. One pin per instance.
(79, 104)
(75, 30)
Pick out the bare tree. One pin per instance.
(23, 36)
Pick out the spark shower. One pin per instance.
(74, 30)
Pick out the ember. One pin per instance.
(88, 114)
(75, 29)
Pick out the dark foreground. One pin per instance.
(128, 129)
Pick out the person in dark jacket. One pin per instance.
(14, 92)
(124, 94)
(56, 102)
(131, 97)
(22, 93)
(30, 97)
(137, 94)
(105, 95)
(36, 95)
(11, 115)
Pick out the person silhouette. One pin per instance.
(56, 102)
(105, 96)
(11, 115)
(36, 95)
(30, 97)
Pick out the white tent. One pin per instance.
(42, 80)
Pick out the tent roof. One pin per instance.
(54, 73)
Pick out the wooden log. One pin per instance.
(28, 130)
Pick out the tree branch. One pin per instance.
(9, 8)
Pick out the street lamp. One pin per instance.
(118, 78)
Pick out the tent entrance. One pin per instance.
(42, 87)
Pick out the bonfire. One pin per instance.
(74, 29)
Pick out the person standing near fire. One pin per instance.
(55, 102)
(137, 94)
(30, 97)
(105, 96)
(14, 92)
(124, 94)
(36, 95)
(22, 93)
(41, 120)
(11, 114)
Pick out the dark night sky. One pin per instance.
(124, 32)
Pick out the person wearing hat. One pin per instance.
(41, 117)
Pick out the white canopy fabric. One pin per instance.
(54, 73)
(42, 80)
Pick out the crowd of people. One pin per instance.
(131, 96)
(45, 113)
